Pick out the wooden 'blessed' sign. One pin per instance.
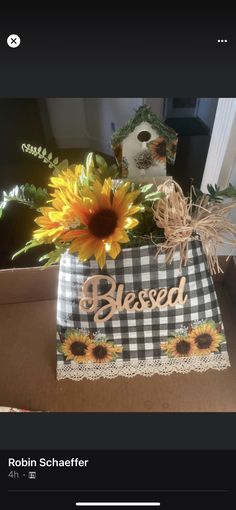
(104, 305)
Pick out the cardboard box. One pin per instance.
(28, 358)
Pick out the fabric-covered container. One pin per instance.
(179, 330)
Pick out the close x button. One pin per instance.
(13, 41)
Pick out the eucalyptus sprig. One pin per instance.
(46, 157)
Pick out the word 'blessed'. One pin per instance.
(104, 305)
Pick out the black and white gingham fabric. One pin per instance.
(139, 333)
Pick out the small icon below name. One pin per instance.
(32, 474)
(13, 40)
(222, 40)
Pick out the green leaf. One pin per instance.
(62, 166)
(26, 194)
(154, 196)
(217, 195)
(101, 162)
(229, 192)
(40, 153)
(53, 256)
(89, 165)
(146, 187)
(28, 246)
(89, 160)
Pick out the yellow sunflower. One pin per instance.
(103, 352)
(68, 178)
(179, 346)
(59, 216)
(76, 346)
(206, 337)
(105, 216)
(50, 229)
(158, 149)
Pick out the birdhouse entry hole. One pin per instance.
(144, 136)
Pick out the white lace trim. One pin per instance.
(164, 366)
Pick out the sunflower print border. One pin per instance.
(92, 355)
(82, 347)
(201, 338)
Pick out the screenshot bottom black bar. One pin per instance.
(119, 479)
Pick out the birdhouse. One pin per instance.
(143, 146)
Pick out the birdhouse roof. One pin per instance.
(143, 114)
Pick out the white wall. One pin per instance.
(79, 122)
(157, 105)
(67, 119)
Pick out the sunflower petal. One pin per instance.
(114, 250)
(100, 254)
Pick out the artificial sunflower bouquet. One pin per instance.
(86, 210)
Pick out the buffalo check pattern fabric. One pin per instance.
(159, 341)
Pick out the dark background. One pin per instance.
(149, 51)
(180, 479)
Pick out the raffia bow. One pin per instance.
(184, 220)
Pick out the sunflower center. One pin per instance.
(183, 347)
(78, 348)
(160, 149)
(100, 352)
(103, 223)
(203, 341)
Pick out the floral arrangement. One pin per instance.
(90, 211)
(87, 209)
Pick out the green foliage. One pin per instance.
(215, 194)
(31, 244)
(97, 168)
(146, 231)
(47, 158)
(26, 194)
(53, 256)
(153, 197)
(147, 194)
